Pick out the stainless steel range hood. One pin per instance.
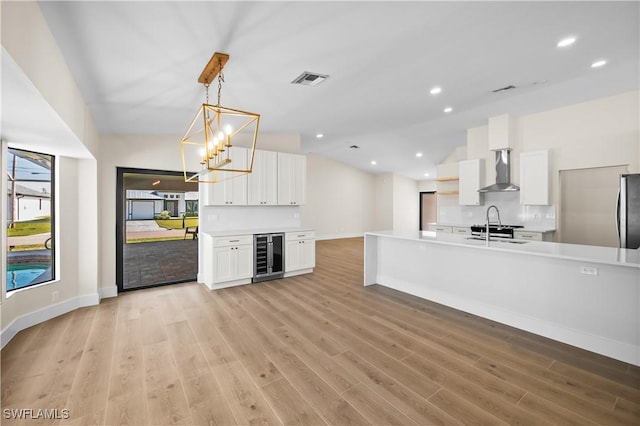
(503, 174)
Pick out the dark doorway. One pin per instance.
(154, 208)
(428, 209)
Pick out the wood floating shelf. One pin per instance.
(448, 179)
(447, 192)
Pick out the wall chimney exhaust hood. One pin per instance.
(503, 174)
(501, 135)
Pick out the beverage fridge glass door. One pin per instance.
(277, 250)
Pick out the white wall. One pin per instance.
(384, 202)
(427, 185)
(340, 199)
(38, 66)
(406, 204)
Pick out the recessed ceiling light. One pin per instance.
(448, 109)
(435, 90)
(418, 154)
(373, 162)
(426, 175)
(566, 42)
(599, 63)
(319, 136)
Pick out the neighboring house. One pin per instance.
(28, 204)
(142, 205)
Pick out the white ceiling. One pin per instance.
(137, 63)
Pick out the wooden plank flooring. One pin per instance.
(310, 350)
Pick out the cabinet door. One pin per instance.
(471, 174)
(534, 178)
(236, 188)
(244, 262)
(292, 256)
(308, 254)
(262, 182)
(292, 179)
(224, 264)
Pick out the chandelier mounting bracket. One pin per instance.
(213, 68)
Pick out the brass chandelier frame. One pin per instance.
(212, 140)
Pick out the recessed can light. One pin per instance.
(319, 136)
(448, 109)
(598, 64)
(418, 154)
(426, 175)
(566, 42)
(373, 162)
(435, 90)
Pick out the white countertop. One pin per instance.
(527, 228)
(254, 231)
(583, 253)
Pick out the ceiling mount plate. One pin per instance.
(213, 68)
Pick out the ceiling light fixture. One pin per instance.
(418, 154)
(210, 134)
(319, 136)
(435, 90)
(598, 64)
(566, 42)
(426, 175)
(448, 109)
(373, 162)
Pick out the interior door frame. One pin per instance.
(420, 205)
(121, 222)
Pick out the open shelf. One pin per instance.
(447, 192)
(447, 179)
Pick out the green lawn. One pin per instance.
(177, 223)
(39, 226)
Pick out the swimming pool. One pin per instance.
(24, 274)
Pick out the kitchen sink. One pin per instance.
(498, 241)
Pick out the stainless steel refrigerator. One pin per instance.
(629, 211)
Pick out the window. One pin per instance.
(30, 222)
(191, 207)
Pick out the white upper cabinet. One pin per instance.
(471, 178)
(263, 180)
(534, 178)
(233, 189)
(292, 179)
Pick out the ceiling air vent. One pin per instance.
(310, 79)
(502, 89)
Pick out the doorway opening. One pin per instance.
(428, 209)
(156, 228)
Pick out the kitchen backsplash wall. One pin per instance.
(224, 218)
(511, 212)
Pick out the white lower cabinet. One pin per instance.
(461, 230)
(299, 253)
(533, 235)
(227, 261)
(440, 228)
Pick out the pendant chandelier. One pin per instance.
(214, 131)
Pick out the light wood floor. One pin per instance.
(315, 349)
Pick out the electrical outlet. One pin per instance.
(589, 270)
(55, 296)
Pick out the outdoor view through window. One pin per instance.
(30, 231)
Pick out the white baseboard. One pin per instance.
(106, 292)
(339, 236)
(46, 313)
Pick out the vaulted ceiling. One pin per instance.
(137, 63)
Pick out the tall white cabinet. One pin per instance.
(263, 180)
(471, 178)
(233, 189)
(534, 178)
(292, 179)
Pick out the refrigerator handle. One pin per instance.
(618, 220)
(270, 255)
(622, 212)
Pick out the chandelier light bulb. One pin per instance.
(228, 129)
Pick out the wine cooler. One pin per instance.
(268, 257)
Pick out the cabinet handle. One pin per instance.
(234, 241)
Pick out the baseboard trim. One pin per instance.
(46, 313)
(106, 292)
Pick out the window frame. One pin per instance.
(53, 203)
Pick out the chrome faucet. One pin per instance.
(488, 237)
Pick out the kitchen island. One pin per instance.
(584, 296)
